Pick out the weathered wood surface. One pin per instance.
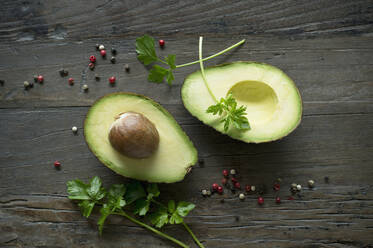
(325, 46)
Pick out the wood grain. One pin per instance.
(324, 46)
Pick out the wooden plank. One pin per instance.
(32, 192)
(30, 20)
(333, 72)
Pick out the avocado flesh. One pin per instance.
(169, 163)
(274, 105)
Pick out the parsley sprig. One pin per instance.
(122, 199)
(145, 48)
(226, 106)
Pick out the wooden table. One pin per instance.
(325, 46)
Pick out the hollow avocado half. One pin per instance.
(273, 102)
(169, 163)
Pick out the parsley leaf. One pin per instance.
(134, 191)
(95, 190)
(105, 212)
(171, 206)
(77, 190)
(232, 114)
(146, 50)
(159, 218)
(170, 59)
(86, 207)
(157, 74)
(141, 206)
(152, 190)
(183, 208)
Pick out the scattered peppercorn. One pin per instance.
(91, 66)
(224, 181)
(233, 172)
(161, 43)
(71, 81)
(97, 46)
(299, 187)
(103, 53)
(2, 82)
(63, 72)
(113, 51)
(112, 80)
(26, 84)
(278, 199)
(85, 87)
(225, 173)
(57, 164)
(276, 187)
(253, 188)
(208, 192)
(97, 77)
(215, 186)
(127, 67)
(248, 188)
(237, 218)
(31, 84)
(36, 78)
(112, 60)
(92, 58)
(204, 192)
(326, 179)
(220, 190)
(237, 185)
(40, 79)
(74, 129)
(241, 196)
(311, 183)
(234, 180)
(260, 200)
(101, 47)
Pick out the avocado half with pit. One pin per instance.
(137, 138)
(273, 102)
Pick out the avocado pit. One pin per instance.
(133, 135)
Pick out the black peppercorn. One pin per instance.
(113, 51)
(112, 60)
(2, 82)
(36, 78)
(127, 67)
(97, 47)
(97, 77)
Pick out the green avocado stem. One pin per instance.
(214, 55)
(178, 242)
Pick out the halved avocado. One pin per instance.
(274, 105)
(172, 159)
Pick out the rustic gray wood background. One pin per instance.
(325, 46)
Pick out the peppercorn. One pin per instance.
(253, 188)
(276, 187)
(36, 78)
(97, 46)
(278, 199)
(2, 82)
(127, 67)
(204, 192)
(215, 186)
(234, 180)
(63, 72)
(161, 43)
(241, 196)
(74, 129)
(112, 80)
(225, 173)
(248, 188)
(237, 185)
(224, 181)
(220, 190)
(299, 187)
(311, 183)
(91, 66)
(85, 87)
(233, 172)
(208, 192)
(113, 51)
(260, 200)
(101, 47)
(103, 53)
(71, 81)
(326, 179)
(97, 77)
(112, 60)
(26, 84)
(92, 58)
(57, 164)
(31, 84)
(40, 79)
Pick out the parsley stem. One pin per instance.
(192, 234)
(162, 61)
(203, 70)
(214, 55)
(152, 229)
